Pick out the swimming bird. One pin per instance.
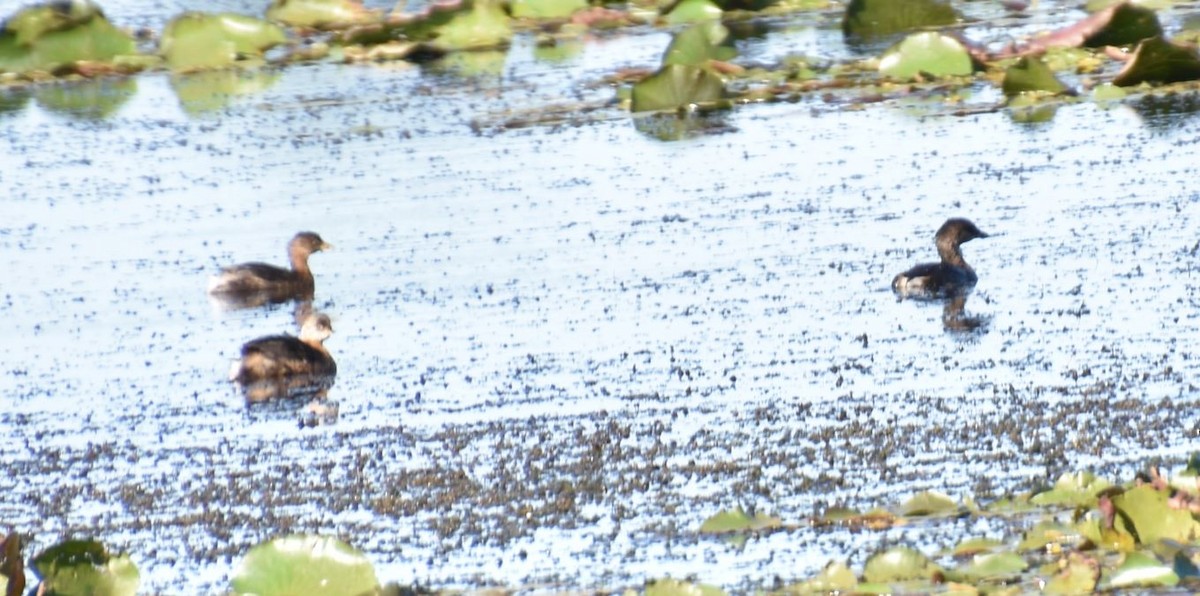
(949, 277)
(253, 284)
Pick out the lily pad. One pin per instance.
(929, 503)
(694, 11)
(85, 567)
(1050, 536)
(483, 25)
(926, 53)
(836, 577)
(196, 40)
(1074, 490)
(992, 566)
(1159, 61)
(1147, 508)
(546, 9)
(675, 86)
(876, 18)
(304, 564)
(897, 564)
(1127, 24)
(1076, 575)
(675, 587)
(320, 13)
(47, 36)
(1141, 570)
(1028, 75)
(737, 520)
(698, 44)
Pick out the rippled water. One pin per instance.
(562, 347)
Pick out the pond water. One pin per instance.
(561, 347)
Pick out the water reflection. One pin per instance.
(94, 99)
(208, 91)
(955, 317)
(675, 127)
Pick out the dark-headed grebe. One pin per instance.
(277, 365)
(269, 280)
(952, 276)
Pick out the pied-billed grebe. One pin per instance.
(277, 365)
(261, 278)
(950, 277)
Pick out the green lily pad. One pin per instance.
(304, 564)
(1078, 575)
(320, 13)
(546, 9)
(675, 86)
(694, 11)
(1030, 74)
(698, 44)
(929, 503)
(85, 567)
(926, 53)
(1153, 518)
(675, 587)
(1048, 536)
(877, 18)
(1108, 92)
(1159, 61)
(47, 36)
(1128, 25)
(897, 564)
(836, 577)
(1141, 570)
(1074, 490)
(196, 40)
(976, 546)
(991, 566)
(737, 520)
(482, 25)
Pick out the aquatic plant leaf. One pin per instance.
(1030, 74)
(929, 503)
(48, 36)
(897, 564)
(1073, 489)
(926, 53)
(975, 546)
(1127, 24)
(12, 565)
(834, 578)
(737, 520)
(675, 587)
(694, 11)
(304, 564)
(1077, 575)
(485, 25)
(546, 9)
(1047, 535)
(320, 13)
(1153, 519)
(675, 86)
(85, 567)
(1142, 570)
(1117, 538)
(1108, 92)
(196, 40)
(698, 44)
(876, 18)
(992, 566)
(1159, 61)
